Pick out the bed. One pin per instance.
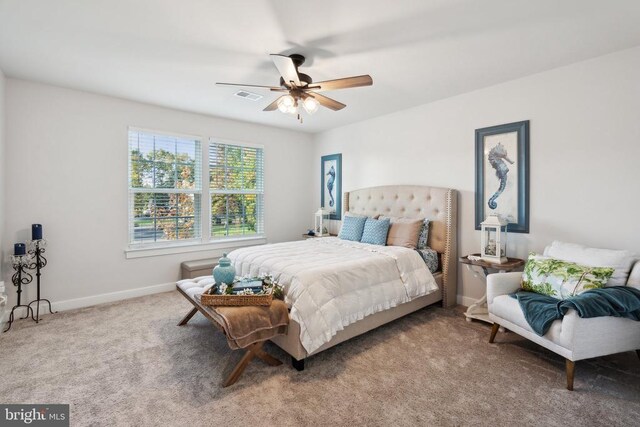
(339, 289)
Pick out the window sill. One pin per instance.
(181, 248)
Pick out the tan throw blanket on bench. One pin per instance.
(246, 325)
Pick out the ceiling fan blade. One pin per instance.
(344, 83)
(273, 106)
(287, 69)
(327, 102)
(244, 85)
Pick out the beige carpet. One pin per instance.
(127, 363)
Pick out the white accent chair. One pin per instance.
(573, 337)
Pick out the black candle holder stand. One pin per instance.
(21, 277)
(36, 249)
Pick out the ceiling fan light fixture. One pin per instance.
(287, 104)
(310, 105)
(287, 100)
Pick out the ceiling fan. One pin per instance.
(301, 90)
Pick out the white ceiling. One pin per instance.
(171, 52)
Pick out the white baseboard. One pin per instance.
(466, 301)
(71, 304)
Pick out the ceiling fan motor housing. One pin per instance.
(297, 59)
(304, 78)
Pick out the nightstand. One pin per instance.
(478, 310)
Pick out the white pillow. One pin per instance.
(620, 260)
(634, 276)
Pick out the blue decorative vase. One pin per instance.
(224, 272)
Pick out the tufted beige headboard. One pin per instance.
(416, 201)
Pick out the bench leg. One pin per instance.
(188, 317)
(254, 350)
(570, 372)
(241, 366)
(494, 331)
(298, 364)
(267, 358)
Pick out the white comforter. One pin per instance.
(331, 283)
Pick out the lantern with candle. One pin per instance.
(320, 218)
(494, 239)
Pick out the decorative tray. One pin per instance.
(245, 291)
(223, 299)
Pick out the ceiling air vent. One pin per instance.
(248, 95)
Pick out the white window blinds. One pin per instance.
(165, 188)
(236, 186)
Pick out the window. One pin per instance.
(168, 200)
(165, 190)
(237, 190)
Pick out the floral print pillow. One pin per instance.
(430, 258)
(561, 279)
(423, 238)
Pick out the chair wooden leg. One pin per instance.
(188, 317)
(494, 331)
(570, 372)
(638, 353)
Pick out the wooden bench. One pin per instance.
(252, 351)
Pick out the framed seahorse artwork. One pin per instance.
(331, 185)
(502, 174)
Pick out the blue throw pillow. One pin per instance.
(352, 227)
(375, 231)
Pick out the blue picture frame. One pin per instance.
(331, 184)
(501, 173)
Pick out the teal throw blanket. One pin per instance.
(541, 310)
